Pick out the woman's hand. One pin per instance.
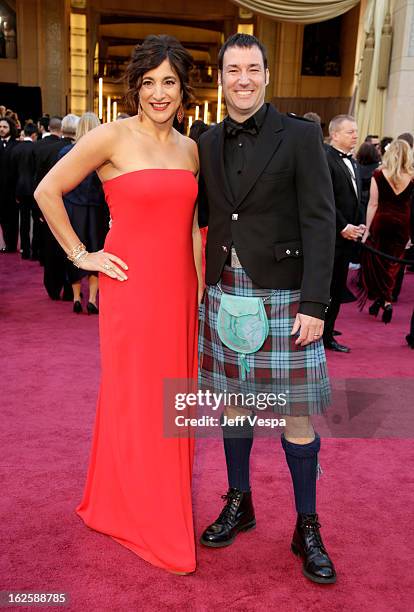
(365, 236)
(104, 262)
(200, 294)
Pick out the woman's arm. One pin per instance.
(372, 207)
(89, 153)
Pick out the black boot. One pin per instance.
(307, 543)
(237, 515)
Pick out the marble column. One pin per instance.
(399, 110)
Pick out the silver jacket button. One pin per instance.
(224, 248)
(287, 251)
(296, 252)
(234, 217)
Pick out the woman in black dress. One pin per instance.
(89, 216)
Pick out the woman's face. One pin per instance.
(160, 94)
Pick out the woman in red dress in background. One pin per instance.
(138, 489)
(388, 225)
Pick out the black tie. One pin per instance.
(346, 155)
(233, 128)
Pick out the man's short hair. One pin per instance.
(69, 125)
(244, 41)
(336, 122)
(370, 137)
(408, 137)
(30, 129)
(44, 123)
(313, 117)
(55, 124)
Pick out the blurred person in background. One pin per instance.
(369, 158)
(343, 131)
(409, 253)
(197, 129)
(384, 144)
(43, 126)
(89, 216)
(22, 164)
(53, 257)
(408, 137)
(313, 117)
(9, 214)
(389, 218)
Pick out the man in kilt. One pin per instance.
(266, 195)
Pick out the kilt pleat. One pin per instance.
(279, 366)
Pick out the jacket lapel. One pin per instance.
(358, 179)
(267, 143)
(345, 171)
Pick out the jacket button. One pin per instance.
(287, 251)
(224, 248)
(296, 252)
(234, 217)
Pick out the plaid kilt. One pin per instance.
(279, 366)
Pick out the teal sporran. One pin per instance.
(242, 325)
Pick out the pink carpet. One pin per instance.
(49, 378)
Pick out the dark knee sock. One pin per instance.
(302, 460)
(238, 442)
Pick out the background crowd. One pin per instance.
(374, 198)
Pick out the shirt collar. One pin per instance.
(258, 117)
(341, 151)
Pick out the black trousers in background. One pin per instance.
(29, 210)
(338, 285)
(10, 222)
(54, 262)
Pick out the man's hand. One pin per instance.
(353, 232)
(311, 329)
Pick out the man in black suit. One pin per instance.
(9, 213)
(44, 157)
(266, 194)
(23, 170)
(346, 182)
(53, 256)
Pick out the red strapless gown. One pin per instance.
(138, 488)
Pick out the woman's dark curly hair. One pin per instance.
(153, 51)
(368, 154)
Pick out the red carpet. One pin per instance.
(49, 377)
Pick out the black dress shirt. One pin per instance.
(239, 148)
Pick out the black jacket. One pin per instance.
(7, 195)
(46, 155)
(282, 224)
(22, 163)
(347, 202)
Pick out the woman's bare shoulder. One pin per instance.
(191, 149)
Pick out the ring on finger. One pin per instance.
(107, 266)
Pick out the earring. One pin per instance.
(180, 114)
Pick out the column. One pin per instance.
(399, 115)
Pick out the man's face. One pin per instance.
(376, 142)
(346, 136)
(244, 81)
(4, 129)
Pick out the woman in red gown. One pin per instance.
(388, 226)
(138, 488)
